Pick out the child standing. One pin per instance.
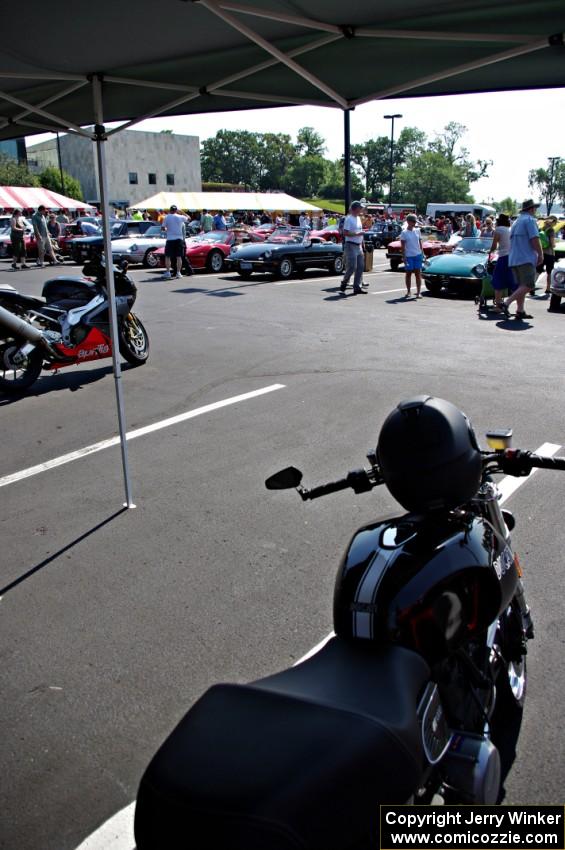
(412, 253)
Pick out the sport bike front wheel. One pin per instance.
(134, 342)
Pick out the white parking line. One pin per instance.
(117, 833)
(132, 435)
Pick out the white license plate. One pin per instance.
(246, 266)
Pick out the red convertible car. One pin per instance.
(433, 243)
(209, 250)
(330, 233)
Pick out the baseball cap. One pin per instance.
(174, 208)
(356, 205)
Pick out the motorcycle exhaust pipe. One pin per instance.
(21, 328)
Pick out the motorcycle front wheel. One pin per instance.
(134, 342)
(16, 377)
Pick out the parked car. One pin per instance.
(433, 243)
(462, 270)
(557, 286)
(382, 233)
(84, 248)
(287, 251)
(140, 248)
(29, 240)
(330, 233)
(207, 250)
(263, 230)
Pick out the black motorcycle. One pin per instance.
(417, 698)
(69, 325)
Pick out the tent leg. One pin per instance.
(347, 158)
(99, 139)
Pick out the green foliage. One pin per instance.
(50, 178)
(424, 170)
(549, 182)
(331, 204)
(14, 174)
(431, 177)
(310, 143)
(306, 175)
(208, 186)
(507, 205)
(372, 160)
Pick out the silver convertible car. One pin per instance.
(137, 249)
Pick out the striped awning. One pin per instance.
(31, 197)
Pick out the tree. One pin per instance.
(506, 205)
(547, 181)
(50, 178)
(310, 143)
(14, 174)
(372, 160)
(446, 144)
(306, 175)
(430, 177)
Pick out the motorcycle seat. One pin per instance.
(16, 297)
(300, 759)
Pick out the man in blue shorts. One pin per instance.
(412, 253)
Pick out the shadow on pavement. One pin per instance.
(55, 555)
(71, 381)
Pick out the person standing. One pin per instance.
(175, 246)
(219, 221)
(42, 236)
(53, 226)
(17, 234)
(353, 250)
(206, 222)
(412, 253)
(547, 239)
(502, 277)
(525, 255)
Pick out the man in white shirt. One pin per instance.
(353, 249)
(412, 254)
(175, 227)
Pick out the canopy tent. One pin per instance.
(118, 62)
(31, 197)
(268, 201)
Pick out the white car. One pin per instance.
(557, 286)
(137, 249)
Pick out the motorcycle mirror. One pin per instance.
(284, 479)
(500, 439)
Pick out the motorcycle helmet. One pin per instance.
(429, 455)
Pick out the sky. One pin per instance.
(518, 131)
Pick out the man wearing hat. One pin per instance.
(525, 255)
(174, 224)
(353, 249)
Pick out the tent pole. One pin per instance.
(99, 139)
(347, 158)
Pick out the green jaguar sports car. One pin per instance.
(462, 271)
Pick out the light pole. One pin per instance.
(391, 118)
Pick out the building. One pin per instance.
(15, 149)
(138, 164)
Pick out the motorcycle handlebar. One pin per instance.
(360, 480)
(518, 462)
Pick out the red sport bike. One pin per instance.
(69, 325)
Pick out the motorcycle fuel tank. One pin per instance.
(425, 583)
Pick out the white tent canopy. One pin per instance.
(268, 201)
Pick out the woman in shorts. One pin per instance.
(502, 277)
(412, 253)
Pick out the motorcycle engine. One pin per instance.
(78, 333)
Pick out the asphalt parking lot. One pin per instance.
(115, 621)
